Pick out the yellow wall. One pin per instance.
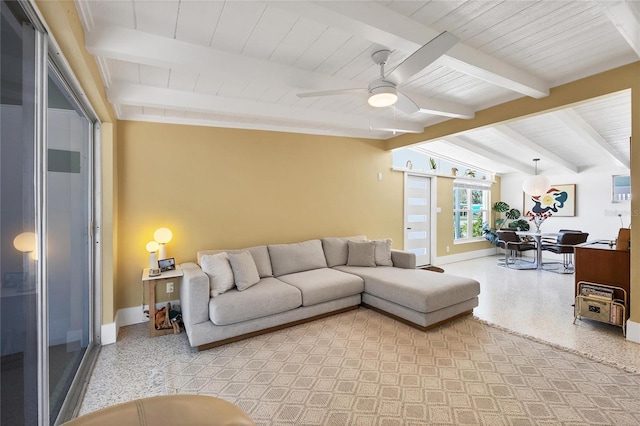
(622, 78)
(228, 188)
(445, 220)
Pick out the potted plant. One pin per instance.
(432, 163)
(470, 173)
(513, 215)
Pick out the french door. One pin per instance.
(417, 217)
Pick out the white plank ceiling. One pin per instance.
(241, 64)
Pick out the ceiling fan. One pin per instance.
(383, 91)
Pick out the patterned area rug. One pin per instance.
(362, 368)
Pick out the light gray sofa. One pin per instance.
(308, 280)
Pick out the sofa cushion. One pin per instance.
(217, 267)
(336, 250)
(260, 257)
(245, 273)
(361, 253)
(383, 252)
(422, 291)
(269, 296)
(323, 285)
(297, 257)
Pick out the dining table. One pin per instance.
(537, 236)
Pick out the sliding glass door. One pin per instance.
(18, 261)
(68, 213)
(46, 229)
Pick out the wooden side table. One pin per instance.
(150, 288)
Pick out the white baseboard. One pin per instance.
(108, 333)
(130, 316)
(633, 331)
(127, 316)
(443, 260)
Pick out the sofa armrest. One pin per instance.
(194, 295)
(403, 259)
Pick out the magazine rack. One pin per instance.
(601, 302)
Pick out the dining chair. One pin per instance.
(514, 246)
(564, 245)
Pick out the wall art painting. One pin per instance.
(560, 200)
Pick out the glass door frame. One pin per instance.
(47, 53)
(71, 404)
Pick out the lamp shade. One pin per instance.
(152, 246)
(536, 185)
(162, 235)
(383, 96)
(25, 242)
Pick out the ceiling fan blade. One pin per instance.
(332, 92)
(406, 104)
(422, 57)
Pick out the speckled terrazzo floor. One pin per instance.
(534, 303)
(539, 304)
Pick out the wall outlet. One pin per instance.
(447, 249)
(169, 287)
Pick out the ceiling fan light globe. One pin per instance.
(383, 97)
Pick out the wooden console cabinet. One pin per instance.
(599, 263)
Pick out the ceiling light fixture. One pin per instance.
(383, 96)
(536, 185)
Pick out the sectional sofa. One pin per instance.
(234, 294)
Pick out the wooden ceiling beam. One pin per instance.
(156, 97)
(372, 21)
(586, 133)
(467, 144)
(535, 149)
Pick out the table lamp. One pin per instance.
(152, 248)
(162, 236)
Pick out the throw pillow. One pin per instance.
(217, 267)
(244, 269)
(383, 252)
(361, 253)
(296, 257)
(336, 250)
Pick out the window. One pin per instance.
(621, 188)
(470, 210)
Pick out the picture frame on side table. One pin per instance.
(167, 264)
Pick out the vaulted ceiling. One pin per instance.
(241, 64)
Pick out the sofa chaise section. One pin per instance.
(422, 298)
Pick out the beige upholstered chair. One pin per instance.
(168, 410)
